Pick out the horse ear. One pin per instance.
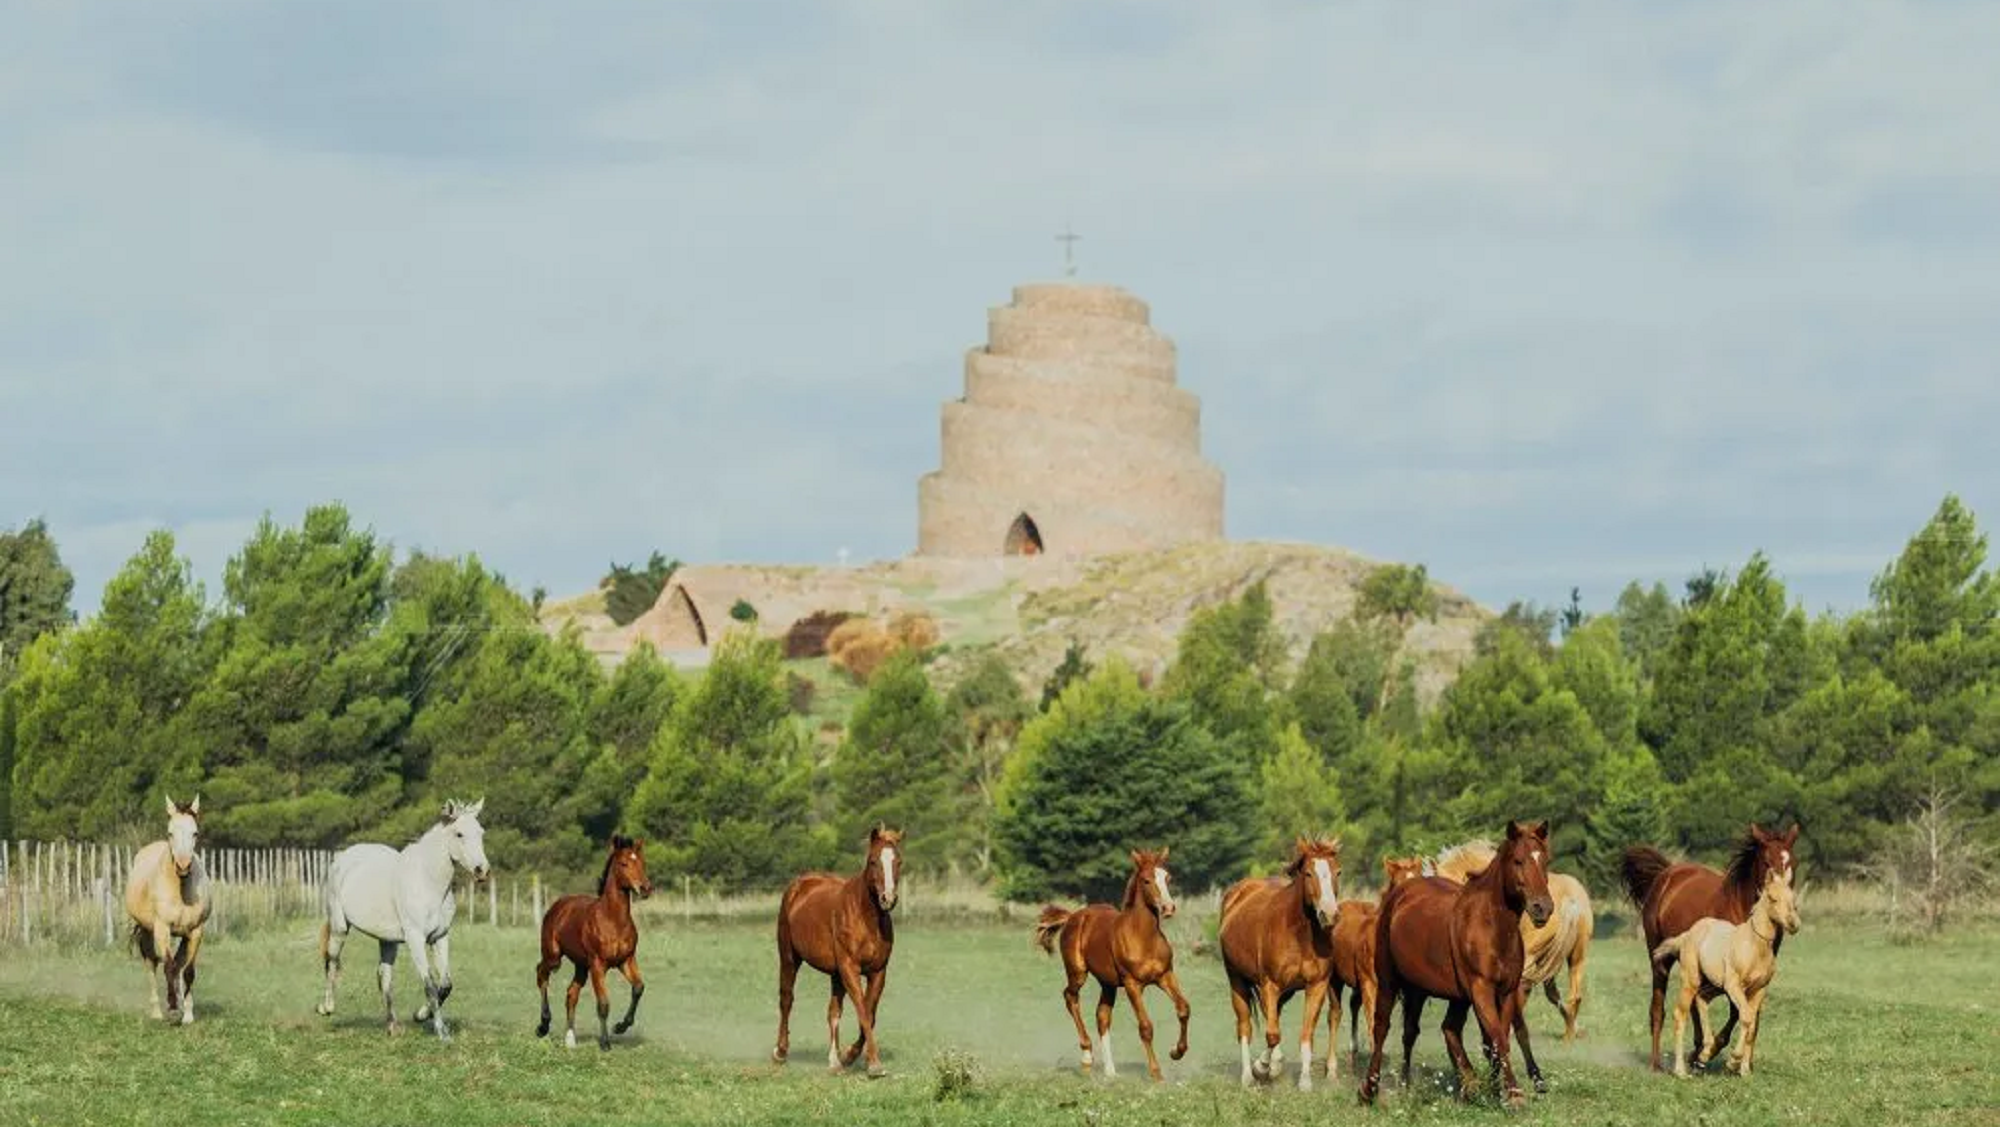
(173, 807)
(1513, 829)
(473, 810)
(1138, 858)
(638, 843)
(1540, 829)
(449, 812)
(1163, 853)
(1792, 835)
(1336, 847)
(195, 806)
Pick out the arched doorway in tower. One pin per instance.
(1023, 538)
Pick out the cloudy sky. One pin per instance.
(1539, 294)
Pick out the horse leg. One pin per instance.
(788, 974)
(331, 941)
(189, 947)
(1266, 1066)
(858, 996)
(872, 1003)
(1314, 999)
(1133, 989)
(1333, 1004)
(434, 1008)
(1576, 957)
(569, 1005)
(1073, 977)
(864, 1013)
(144, 939)
(385, 969)
(1753, 1020)
(1728, 1027)
(1378, 1032)
(603, 993)
(631, 970)
(1454, 1046)
(838, 992)
(1659, 1006)
(1172, 985)
(1413, 1010)
(1496, 1020)
(163, 943)
(1107, 997)
(551, 959)
(1239, 1000)
(1527, 1050)
(1686, 1001)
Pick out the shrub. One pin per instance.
(958, 1073)
(742, 611)
(807, 637)
(799, 692)
(914, 629)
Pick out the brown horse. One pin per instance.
(1123, 946)
(596, 934)
(167, 894)
(1672, 895)
(1354, 962)
(840, 926)
(1562, 942)
(1436, 939)
(1277, 938)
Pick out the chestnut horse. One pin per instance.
(840, 926)
(1354, 962)
(1436, 939)
(1277, 938)
(596, 934)
(167, 894)
(1672, 895)
(1563, 941)
(1123, 946)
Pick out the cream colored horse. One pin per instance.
(1564, 939)
(1718, 957)
(167, 894)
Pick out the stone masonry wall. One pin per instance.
(1071, 416)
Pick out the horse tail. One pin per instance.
(141, 943)
(1665, 954)
(1050, 926)
(1641, 869)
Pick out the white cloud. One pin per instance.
(1525, 292)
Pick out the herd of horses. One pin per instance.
(1476, 927)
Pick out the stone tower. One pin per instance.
(1071, 438)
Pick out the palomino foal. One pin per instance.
(596, 934)
(166, 894)
(840, 926)
(1277, 938)
(1123, 946)
(1740, 960)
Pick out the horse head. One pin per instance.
(467, 838)
(1315, 869)
(1400, 869)
(1782, 901)
(627, 866)
(885, 865)
(1150, 881)
(1774, 850)
(183, 830)
(1525, 875)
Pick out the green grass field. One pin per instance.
(1857, 1032)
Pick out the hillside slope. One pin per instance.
(1028, 609)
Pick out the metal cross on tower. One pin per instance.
(1068, 239)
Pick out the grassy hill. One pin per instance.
(1028, 610)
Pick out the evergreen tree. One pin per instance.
(894, 766)
(1300, 797)
(35, 589)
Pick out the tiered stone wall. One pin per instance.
(1070, 415)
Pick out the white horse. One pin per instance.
(404, 897)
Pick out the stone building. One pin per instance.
(1072, 437)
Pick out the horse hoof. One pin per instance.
(1179, 1052)
(604, 1044)
(778, 1056)
(395, 1029)
(569, 1039)
(542, 1030)
(1516, 1101)
(1259, 1069)
(621, 1027)
(876, 1071)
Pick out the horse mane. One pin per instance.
(1466, 860)
(618, 842)
(1741, 873)
(1131, 888)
